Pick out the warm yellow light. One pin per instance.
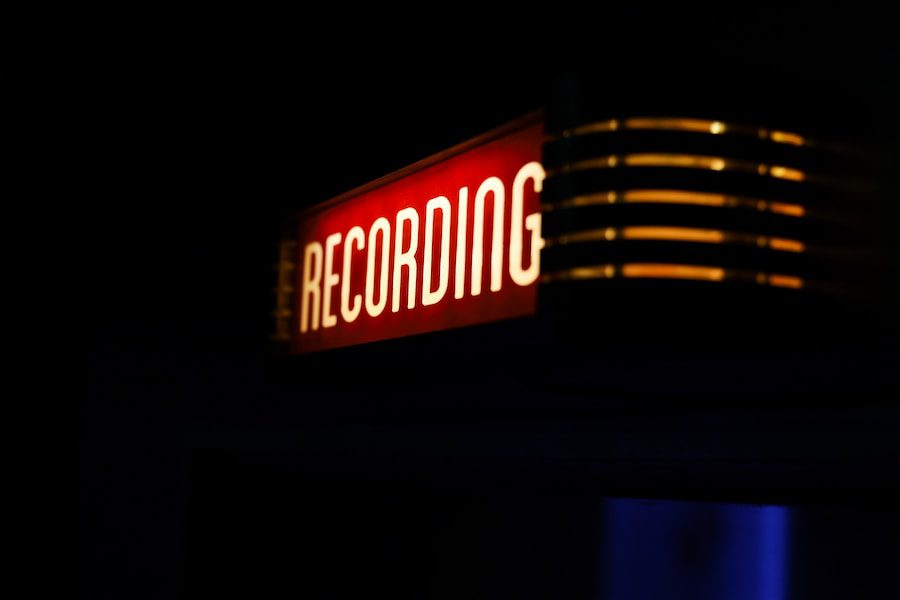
(666, 271)
(592, 235)
(642, 233)
(786, 245)
(602, 162)
(640, 271)
(783, 137)
(671, 124)
(684, 124)
(672, 271)
(662, 233)
(787, 281)
(686, 161)
(786, 173)
(783, 208)
(676, 197)
(599, 127)
(674, 160)
(595, 272)
(680, 234)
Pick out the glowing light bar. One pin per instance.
(786, 245)
(658, 233)
(680, 234)
(786, 173)
(677, 197)
(709, 126)
(787, 281)
(794, 210)
(691, 161)
(664, 271)
(669, 124)
(684, 161)
(672, 271)
(783, 137)
(598, 127)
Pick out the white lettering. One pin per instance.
(383, 226)
(430, 297)
(358, 236)
(387, 270)
(312, 276)
(331, 280)
(520, 275)
(405, 259)
(494, 186)
(459, 286)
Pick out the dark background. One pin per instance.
(209, 466)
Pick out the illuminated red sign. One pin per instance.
(452, 241)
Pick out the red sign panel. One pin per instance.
(452, 241)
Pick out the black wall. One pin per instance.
(219, 129)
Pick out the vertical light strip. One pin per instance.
(773, 552)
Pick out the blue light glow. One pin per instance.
(665, 549)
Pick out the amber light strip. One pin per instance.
(786, 245)
(676, 124)
(672, 271)
(783, 137)
(679, 234)
(597, 127)
(663, 271)
(787, 281)
(784, 208)
(684, 124)
(657, 233)
(283, 291)
(639, 270)
(677, 197)
(685, 161)
(691, 161)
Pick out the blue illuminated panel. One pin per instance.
(694, 551)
